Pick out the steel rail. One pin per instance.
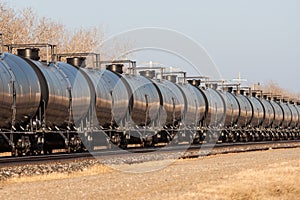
(187, 150)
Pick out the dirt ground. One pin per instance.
(272, 174)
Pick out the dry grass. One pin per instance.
(278, 181)
(272, 174)
(94, 170)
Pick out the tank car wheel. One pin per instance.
(148, 144)
(123, 146)
(232, 137)
(244, 137)
(19, 154)
(154, 140)
(279, 136)
(263, 136)
(68, 150)
(201, 137)
(14, 153)
(208, 138)
(174, 141)
(237, 137)
(225, 138)
(142, 144)
(48, 151)
(293, 136)
(275, 136)
(123, 143)
(196, 140)
(285, 136)
(191, 138)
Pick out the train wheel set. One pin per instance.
(48, 105)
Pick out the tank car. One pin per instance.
(295, 120)
(111, 108)
(195, 111)
(216, 107)
(269, 117)
(231, 116)
(145, 104)
(172, 110)
(20, 94)
(47, 100)
(20, 89)
(257, 118)
(246, 114)
(216, 111)
(287, 115)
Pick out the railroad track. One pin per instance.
(185, 151)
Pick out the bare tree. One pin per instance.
(25, 27)
(275, 89)
(28, 19)
(82, 40)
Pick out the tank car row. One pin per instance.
(67, 105)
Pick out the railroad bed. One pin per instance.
(271, 174)
(67, 163)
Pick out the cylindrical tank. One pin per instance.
(295, 115)
(81, 93)
(173, 102)
(297, 106)
(58, 96)
(258, 112)
(287, 115)
(17, 77)
(195, 105)
(232, 109)
(246, 110)
(269, 113)
(216, 108)
(6, 96)
(112, 99)
(278, 114)
(145, 100)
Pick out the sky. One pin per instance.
(260, 39)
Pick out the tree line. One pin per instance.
(25, 26)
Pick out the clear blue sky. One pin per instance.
(259, 38)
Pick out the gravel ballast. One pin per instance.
(271, 174)
(118, 161)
